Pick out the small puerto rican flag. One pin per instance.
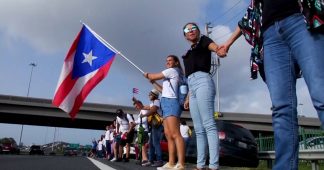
(135, 90)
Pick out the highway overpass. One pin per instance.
(36, 111)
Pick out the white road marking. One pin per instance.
(100, 165)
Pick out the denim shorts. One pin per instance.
(170, 107)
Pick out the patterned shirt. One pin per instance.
(250, 26)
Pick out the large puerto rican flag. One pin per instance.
(86, 64)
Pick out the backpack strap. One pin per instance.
(131, 116)
(172, 88)
(180, 74)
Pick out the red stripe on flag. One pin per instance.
(64, 90)
(68, 83)
(101, 74)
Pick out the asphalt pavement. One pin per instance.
(133, 165)
(37, 162)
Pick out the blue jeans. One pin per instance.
(108, 147)
(202, 100)
(154, 144)
(186, 141)
(287, 43)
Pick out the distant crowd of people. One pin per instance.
(143, 133)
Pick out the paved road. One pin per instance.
(34, 162)
(131, 165)
(27, 162)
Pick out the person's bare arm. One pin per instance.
(235, 35)
(154, 76)
(151, 111)
(157, 86)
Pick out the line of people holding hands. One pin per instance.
(283, 46)
(287, 39)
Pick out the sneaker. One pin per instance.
(146, 163)
(114, 160)
(157, 164)
(125, 160)
(178, 167)
(165, 167)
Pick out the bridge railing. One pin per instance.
(314, 156)
(308, 139)
(311, 147)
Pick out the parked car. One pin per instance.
(70, 152)
(36, 150)
(164, 145)
(312, 143)
(238, 147)
(10, 147)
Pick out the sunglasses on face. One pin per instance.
(187, 30)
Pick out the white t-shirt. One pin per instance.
(99, 145)
(111, 136)
(184, 130)
(124, 124)
(107, 134)
(156, 103)
(144, 120)
(171, 74)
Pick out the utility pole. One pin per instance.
(32, 64)
(217, 65)
(54, 139)
(45, 138)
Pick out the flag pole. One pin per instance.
(113, 48)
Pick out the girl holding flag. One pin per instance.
(171, 110)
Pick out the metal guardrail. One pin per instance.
(311, 155)
(311, 147)
(312, 139)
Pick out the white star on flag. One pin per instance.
(89, 58)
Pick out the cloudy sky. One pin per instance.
(145, 31)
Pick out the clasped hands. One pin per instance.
(222, 50)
